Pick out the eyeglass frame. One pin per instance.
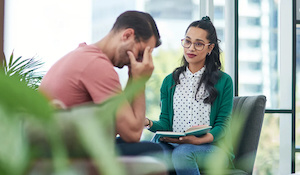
(193, 43)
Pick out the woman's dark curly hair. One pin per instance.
(212, 61)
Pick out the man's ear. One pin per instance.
(128, 34)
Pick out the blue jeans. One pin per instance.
(187, 159)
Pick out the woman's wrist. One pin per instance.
(149, 125)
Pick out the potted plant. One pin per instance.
(32, 130)
(27, 70)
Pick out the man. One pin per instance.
(87, 74)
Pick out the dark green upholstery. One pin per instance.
(250, 111)
(247, 119)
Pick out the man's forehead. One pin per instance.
(150, 42)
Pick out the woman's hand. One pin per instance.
(148, 122)
(186, 139)
(207, 138)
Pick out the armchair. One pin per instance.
(247, 120)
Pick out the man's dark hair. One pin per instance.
(142, 23)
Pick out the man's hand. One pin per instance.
(143, 68)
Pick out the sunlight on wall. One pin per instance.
(47, 29)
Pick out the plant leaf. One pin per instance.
(16, 68)
(11, 59)
(14, 62)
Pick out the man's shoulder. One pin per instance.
(87, 55)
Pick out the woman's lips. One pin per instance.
(191, 55)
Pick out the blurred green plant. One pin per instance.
(27, 70)
(33, 132)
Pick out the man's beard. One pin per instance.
(123, 57)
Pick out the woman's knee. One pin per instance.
(182, 152)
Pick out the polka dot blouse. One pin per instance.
(189, 111)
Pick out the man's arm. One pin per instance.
(131, 116)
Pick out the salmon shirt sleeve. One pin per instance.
(84, 75)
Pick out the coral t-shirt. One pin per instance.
(83, 75)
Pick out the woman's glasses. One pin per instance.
(197, 45)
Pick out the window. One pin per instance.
(220, 34)
(258, 73)
(254, 2)
(253, 21)
(256, 42)
(253, 43)
(297, 94)
(219, 12)
(170, 9)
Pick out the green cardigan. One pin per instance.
(220, 114)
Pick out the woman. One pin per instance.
(197, 93)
